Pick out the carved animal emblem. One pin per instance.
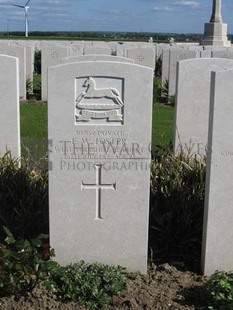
(93, 92)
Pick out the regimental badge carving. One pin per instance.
(97, 103)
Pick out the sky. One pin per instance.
(173, 16)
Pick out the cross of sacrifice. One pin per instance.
(98, 187)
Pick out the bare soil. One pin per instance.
(163, 288)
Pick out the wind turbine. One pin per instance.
(25, 7)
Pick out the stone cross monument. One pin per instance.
(215, 33)
(216, 13)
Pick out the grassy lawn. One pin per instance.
(34, 128)
(162, 125)
(34, 131)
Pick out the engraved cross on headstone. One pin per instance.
(98, 187)
(140, 57)
(55, 55)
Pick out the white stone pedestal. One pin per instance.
(216, 35)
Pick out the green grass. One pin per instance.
(36, 83)
(34, 129)
(162, 125)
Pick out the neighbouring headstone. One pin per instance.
(120, 49)
(9, 116)
(205, 54)
(50, 56)
(192, 103)
(222, 54)
(177, 54)
(160, 48)
(142, 56)
(95, 58)
(29, 49)
(20, 53)
(88, 50)
(76, 49)
(100, 129)
(165, 65)
(217, 249)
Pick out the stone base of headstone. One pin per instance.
(215, 34)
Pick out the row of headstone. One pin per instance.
(203, 126)
(54, 55)
(142, 53)
(53, 52)
(99, 164)
(170, 57)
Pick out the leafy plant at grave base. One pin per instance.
(160, 150)
(165, 89)
(23, 263)
(165, 94)
(171, 100)
(176, 211)
(29, 87)
(218, 291)
(90, 285)
(23, 199)
(158, 67)
(156, 90)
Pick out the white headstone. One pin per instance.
(9, 116)
(175, 56)
(97, 50)
(50, 56)
(120, 49)
(100, 128)
(217, 250)
(95, 58)
(222, 54)
(20, 53)
(165, 65)
(192, 103)
(142, 56)
(205, 54)
(76, 49)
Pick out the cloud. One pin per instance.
(192, 4)
(163, 8)
(108, 11)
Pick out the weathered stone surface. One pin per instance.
(89, 50)
(192, 103)
(95, 58)
(142, 56)
(20, 53)
(217, 251)
(177, 54)
(50, 56)
(9, 103)
(100, 131)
